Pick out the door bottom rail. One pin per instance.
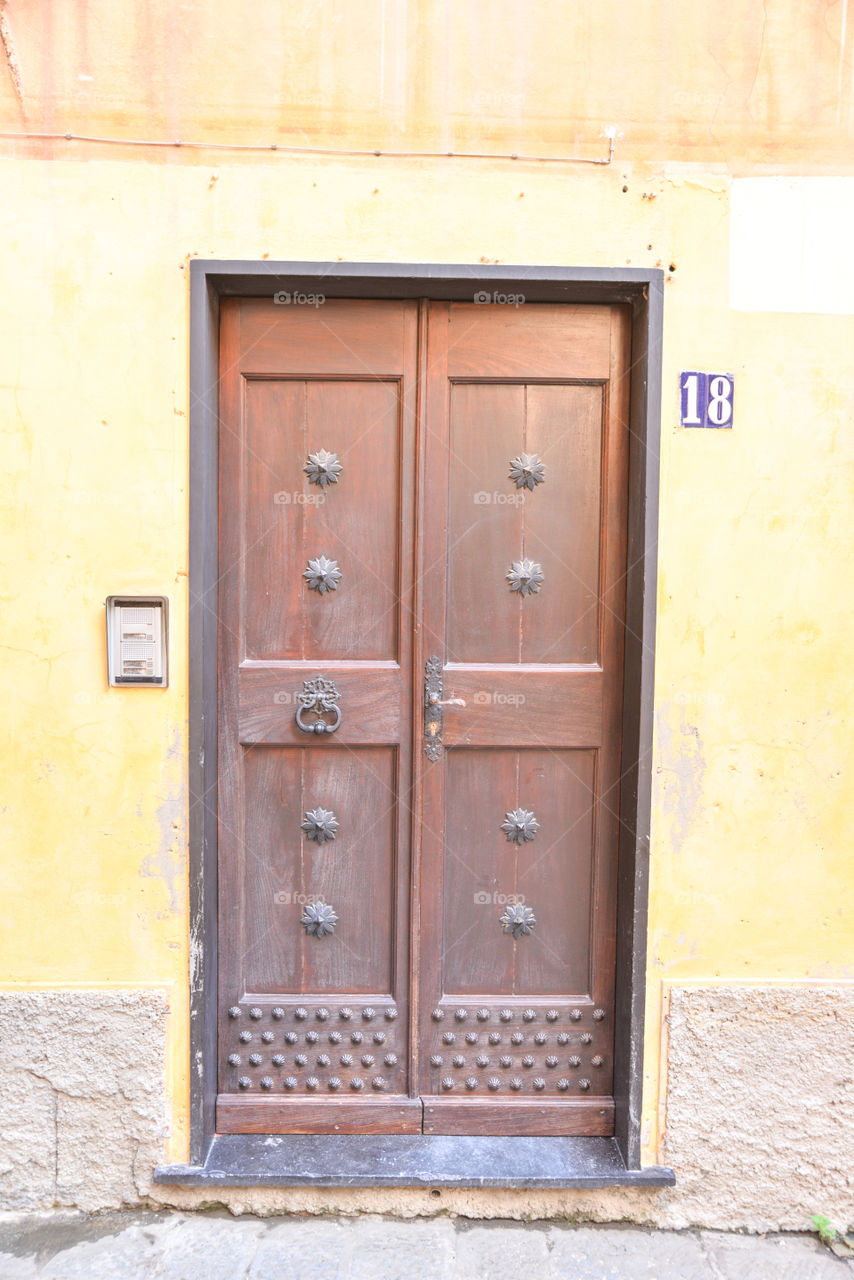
(592, 1117)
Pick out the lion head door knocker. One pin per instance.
(319, 696)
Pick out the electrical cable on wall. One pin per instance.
(610, 133)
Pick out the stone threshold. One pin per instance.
(406, 1160)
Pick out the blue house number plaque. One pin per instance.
(707, 399)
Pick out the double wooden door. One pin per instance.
(422, 588)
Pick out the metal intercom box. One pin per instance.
(137, 640)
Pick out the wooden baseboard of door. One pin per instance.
(326, 1115)
(587, 1118)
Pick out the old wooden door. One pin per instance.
(422, 564)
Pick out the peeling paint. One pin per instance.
(11, 54)
(168, 864)
(681, 770)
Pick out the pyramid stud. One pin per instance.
(322, 574)
(520, 825)
(525, 576)
(518, 920)
(319, 919)
(527, 471)
(320, 825)
(323, 468)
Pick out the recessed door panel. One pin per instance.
(521, 836)
(320, 828)
(548, 515)
(292, 520)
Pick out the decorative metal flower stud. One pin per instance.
(320, 825)
(322, 574)
(319, 919)
(525, 577)
(323, 468)
(527, 471)
(520, 825)
(518, 920)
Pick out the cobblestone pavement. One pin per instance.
(216, 1246)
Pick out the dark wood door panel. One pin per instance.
(526, 466)
(564, 426)
(343, 855)
(539, 340)
(314, 932)
(290, 521)
(314, 1052)
(352, 997)
(486, 871)
(340, 338)
(467, 1114)
(521, 1051)
(375, 706)
(282, 1115)
(496, 522)
(484, 522)
(523, 705)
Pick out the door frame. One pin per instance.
(643, 289)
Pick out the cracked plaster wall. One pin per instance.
(82, 1082)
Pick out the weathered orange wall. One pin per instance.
(741, 82)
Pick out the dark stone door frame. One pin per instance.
(426, 1161)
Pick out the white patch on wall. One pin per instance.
(792, 245)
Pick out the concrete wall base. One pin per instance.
(82, 1085)
(760, 1112)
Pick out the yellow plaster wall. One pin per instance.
(752, 877)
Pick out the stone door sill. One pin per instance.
(398, 1160)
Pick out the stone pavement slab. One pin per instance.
(215, 1246)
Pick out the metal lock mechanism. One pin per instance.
(433, 704)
